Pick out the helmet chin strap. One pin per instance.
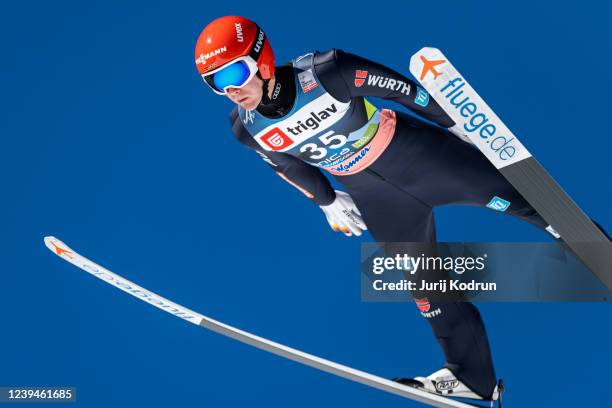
(265, 99)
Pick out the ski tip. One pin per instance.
(48, 240)
(56, 246)
(427, 51)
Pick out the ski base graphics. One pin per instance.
(69, 255)
(491, 136)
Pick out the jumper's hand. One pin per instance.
(343, 215)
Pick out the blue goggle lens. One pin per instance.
(235, 74)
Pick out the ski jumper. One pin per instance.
(397, 168)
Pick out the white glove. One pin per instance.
(458, 131)
(343, 215)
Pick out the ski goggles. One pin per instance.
(234, 75)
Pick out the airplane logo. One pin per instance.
(60, 251)
(430, 66)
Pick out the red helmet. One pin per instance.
(228, 39)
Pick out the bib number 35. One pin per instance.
(329, 139)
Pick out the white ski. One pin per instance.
(68, 254)
(493, 138)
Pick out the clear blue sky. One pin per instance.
(111, 142)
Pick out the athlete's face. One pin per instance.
(249, 96)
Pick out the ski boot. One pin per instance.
(444, 383)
